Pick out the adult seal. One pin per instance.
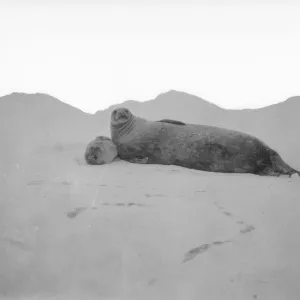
(199, 147)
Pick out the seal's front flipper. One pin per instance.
(137, 160)
(175, 122)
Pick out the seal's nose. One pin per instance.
(120, 113)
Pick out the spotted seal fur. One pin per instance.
(200, 147)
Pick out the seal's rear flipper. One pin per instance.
(281, 167)
(175, 122)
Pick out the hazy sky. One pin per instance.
(92, 54)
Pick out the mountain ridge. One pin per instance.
(170, 93)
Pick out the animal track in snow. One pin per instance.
(201, 249)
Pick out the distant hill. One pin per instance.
(31, 121)
(40, 119)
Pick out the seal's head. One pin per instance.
(120, 116)
(100, 151)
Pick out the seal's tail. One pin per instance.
(281, 167)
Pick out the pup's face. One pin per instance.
(120, 116)
(93, 155)
(100, 151)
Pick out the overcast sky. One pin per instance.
(92, 54)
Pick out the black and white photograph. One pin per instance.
(149, 150)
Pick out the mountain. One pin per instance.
(39, 119)
(31, 121)
(42, 118)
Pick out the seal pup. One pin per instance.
(100, 150)
(199, 147)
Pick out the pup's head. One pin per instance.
(100, 151)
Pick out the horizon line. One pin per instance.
(139, 101)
